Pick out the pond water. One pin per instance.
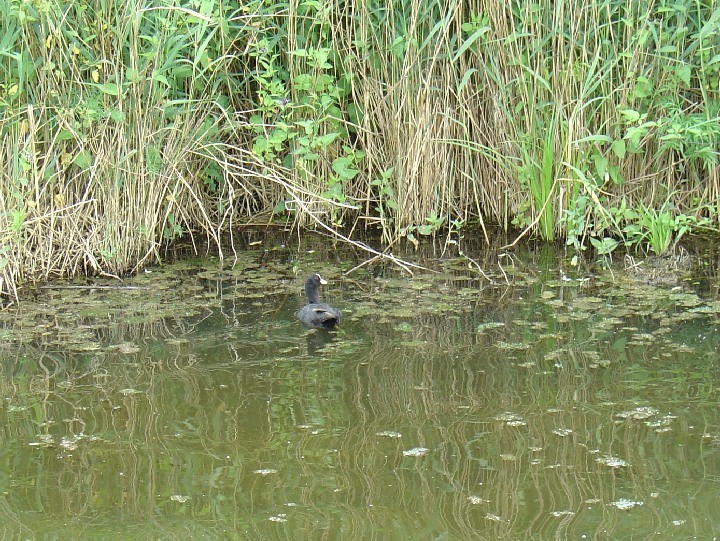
(531, 401)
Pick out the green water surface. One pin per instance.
(538, 401)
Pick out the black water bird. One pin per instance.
(315, 313)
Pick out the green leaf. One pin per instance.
(319, 58)
(397, 48)
(470, 41)
(336, 192)
(153, 158)
(615, 175)
(711, 25)
(280, 208)
(466, 78)
(643, 88)
(260, 146)
(256, 120)
(619, 148)
(327, 139)
(277, 136)
(159, 77)
(116, 115)
(303, 82)
(601, 164)
(345, 168)
(307, 126)
(18, 218)
(109, 88)
(82, 159)
(322, 83)
(683, 73)
(604, 246)
(598, 138)
(629, 115)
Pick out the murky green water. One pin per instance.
(556, 404)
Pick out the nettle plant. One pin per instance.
(299, 121)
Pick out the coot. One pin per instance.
(315, 313)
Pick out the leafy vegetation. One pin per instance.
(126, 125)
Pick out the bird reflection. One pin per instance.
(317, 339)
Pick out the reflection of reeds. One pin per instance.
(182, 434)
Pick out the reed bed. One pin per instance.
(126, 125)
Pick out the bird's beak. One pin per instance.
(322, 281)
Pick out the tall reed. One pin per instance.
(112, 115)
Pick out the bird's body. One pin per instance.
(315, 313)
